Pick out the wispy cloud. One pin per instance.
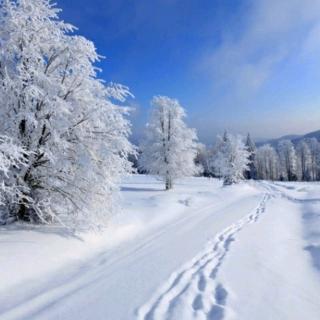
(271, 32)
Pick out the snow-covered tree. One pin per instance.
(11, 158)
(288, 160)
(232, 159)
(213, 154)
(303, 160)
(267, 163)
(314, 147)
(170, 147)
(251, 147)
(54, 107)
(203, 159)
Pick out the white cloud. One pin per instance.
(312, 42)
(271, 31)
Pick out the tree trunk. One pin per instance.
(168, 184)
(22, 213)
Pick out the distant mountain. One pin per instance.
(290, 137)
(314, 134)
(293, 137)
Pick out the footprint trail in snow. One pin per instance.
(193, 292)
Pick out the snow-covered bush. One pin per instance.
(54, 107)
(231, 159)
(170, 147)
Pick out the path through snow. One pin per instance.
(268, 271)
(193, 292)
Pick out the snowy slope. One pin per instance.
(268, 273)
(200, 251)
(266, 270)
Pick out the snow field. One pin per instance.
(157, 232)
(270, 274)
(192, 292)
(199, 251)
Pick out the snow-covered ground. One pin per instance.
(200, 251)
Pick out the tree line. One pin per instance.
(171, 150)
(285, 162)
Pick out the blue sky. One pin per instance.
(240, 65)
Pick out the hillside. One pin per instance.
(293, 137)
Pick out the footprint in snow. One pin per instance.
(192, 290)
